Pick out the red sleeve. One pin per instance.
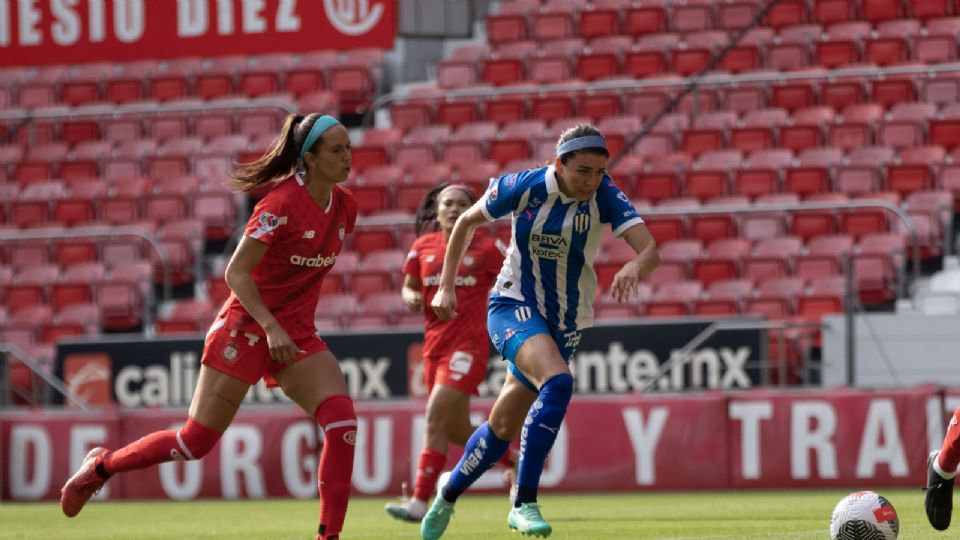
(268, 218)
(411, 266)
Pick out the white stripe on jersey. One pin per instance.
(538, 222)
(567, 234)
(510, 271)
(588, 278)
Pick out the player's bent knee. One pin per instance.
(561, 384)
(196, 440)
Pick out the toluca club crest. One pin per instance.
(230, 352)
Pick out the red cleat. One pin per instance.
(82, 485)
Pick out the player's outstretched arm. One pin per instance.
(240, 280)
(445, 301)
(647, 259)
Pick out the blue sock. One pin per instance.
(539, 432)
(483, 450)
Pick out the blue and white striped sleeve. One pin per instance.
(615, 208)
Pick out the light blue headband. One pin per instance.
(587, 141)
(322, 124)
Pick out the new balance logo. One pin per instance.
(522, 313)
(309, 234)
(553, 430)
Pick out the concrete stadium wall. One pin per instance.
(894, 350)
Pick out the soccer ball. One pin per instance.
(864, 515)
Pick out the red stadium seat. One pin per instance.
(721, 260)
(549, 24)
(691, 17)
(218, 211)
(354, 84)
(786, 13)
(708, 176)
(120, 304)
(673, 299)
(599, 22)
(77, 285)
(506, 27)
(756, 130)
(812, 172)
(644, 20)
(128, 85)
(760, 173)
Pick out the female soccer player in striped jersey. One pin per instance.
(266, 328)
(541, 301)
(455, 352)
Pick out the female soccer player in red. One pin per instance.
(455, 352)
(941, 473)
(265, 329)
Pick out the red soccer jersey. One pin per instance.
(479, 269)
(304, 241)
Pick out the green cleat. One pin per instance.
(436, 519)
(526, 519)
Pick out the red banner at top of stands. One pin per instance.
(38, 32)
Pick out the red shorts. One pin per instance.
(463, 370)
(243, 352)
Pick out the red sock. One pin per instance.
(192, 441)
(428, 470)
(509, 459)
(339, 423)
(950, 453)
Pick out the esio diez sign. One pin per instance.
(61, 32)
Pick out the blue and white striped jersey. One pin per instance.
(549, 263)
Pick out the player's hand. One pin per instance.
(413, 300)
(444, 304)
(625, 283)
(282, 348)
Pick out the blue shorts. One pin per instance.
(511, 323)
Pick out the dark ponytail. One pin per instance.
(426, 217)
(280, 161)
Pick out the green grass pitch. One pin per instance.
(663, 516)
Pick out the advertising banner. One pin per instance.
(610, 359)
(630, 442)
(38, 32)
(829, 439)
